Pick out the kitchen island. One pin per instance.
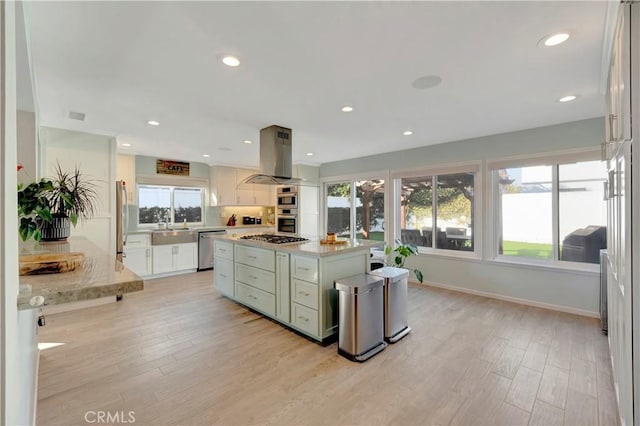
(99, 275)
(290, 283)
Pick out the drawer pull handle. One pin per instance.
(252, 257)
(223, 275)
(253, 277)
(305, 319)
(304, 269)
(223, 250)
(252, 297)
(303, 293)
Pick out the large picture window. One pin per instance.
(551, 213)
(158, 203)
(355, 209)
(436, 211)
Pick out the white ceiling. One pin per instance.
(123, 63)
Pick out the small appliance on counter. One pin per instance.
(248, 220)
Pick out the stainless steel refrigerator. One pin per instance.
(122, 218)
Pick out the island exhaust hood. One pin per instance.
(275, 158)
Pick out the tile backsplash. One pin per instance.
(218, 216)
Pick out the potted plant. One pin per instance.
(47, 208)
(397, 256)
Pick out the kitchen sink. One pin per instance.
(173, 236)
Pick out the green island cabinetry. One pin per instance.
(291, 284)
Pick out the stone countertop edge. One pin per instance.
(100, 275)
(310, 248)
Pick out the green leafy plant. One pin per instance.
(68, 195)
(398, 255)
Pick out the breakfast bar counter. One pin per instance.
(99, 275)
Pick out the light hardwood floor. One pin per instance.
(179, 353)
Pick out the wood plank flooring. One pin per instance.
(179, 353)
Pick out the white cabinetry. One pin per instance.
(175, 257)
(223, 268)
(137, 254)
(255, 281)
(283, 287)
(309, 211)
(227, 188)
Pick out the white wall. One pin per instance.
(96, 157)
(27, 146)
(567, 290)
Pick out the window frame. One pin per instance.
(553, 159)
(172, 188)
(352, 179)
(474, 167)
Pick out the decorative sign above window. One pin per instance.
(168, 167)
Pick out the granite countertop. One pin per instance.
(204, 228)
(100, 275)
(309, 248)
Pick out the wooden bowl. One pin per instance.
(50, 263)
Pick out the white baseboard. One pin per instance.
(527, 302)
(66, 307)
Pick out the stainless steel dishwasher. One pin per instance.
(205, 248)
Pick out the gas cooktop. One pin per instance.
(274, 239)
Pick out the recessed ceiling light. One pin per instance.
(309, 154)
(153, 122)
(126, 144)
(567, 98)
(230, 61)
(247, 141)
(553, 39)
(347, 108)
(206, 155)
(407, 133)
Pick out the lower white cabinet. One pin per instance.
(137, 254)
(224, 276)
(175, 257)
(138, 260)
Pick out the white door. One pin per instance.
(619, 279)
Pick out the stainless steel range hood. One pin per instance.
(275, 157)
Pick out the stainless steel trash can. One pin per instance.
(360, 316)
(396, 322)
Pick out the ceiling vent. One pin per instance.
(74, 115)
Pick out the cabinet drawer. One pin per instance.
(224, 276)
(258, 299)
(223, 249)
(138, 240)
(305, 293)
(305, 319)
(305, 268)
(260, 258)
(264, 280)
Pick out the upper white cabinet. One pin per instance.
(618, 126)
(126, 171)
(227, 188)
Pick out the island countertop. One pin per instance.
(100, 275)
(309, 248)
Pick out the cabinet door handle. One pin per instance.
(304, 293)
(305, 319)
(612, 136)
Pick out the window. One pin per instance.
(551, 213)
(158, 203)
(437, 211)
(355, 209)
